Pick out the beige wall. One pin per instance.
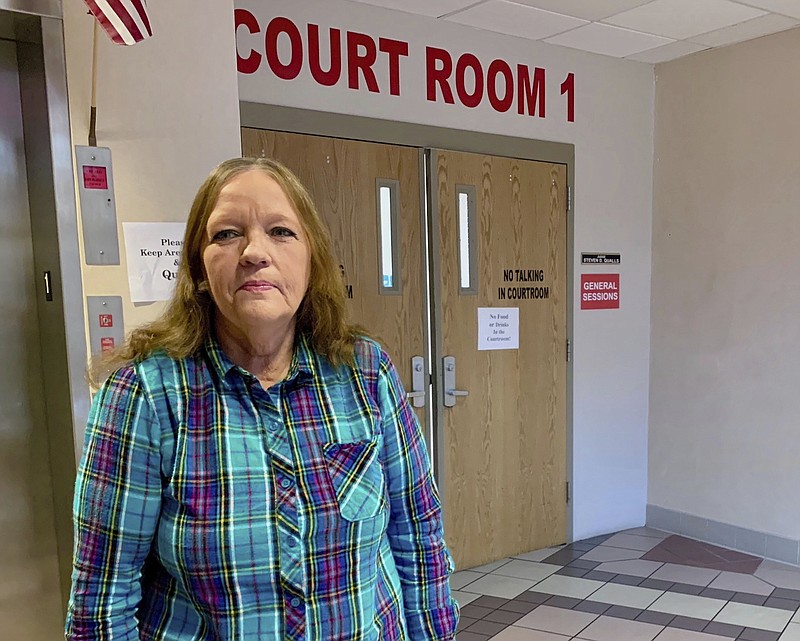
(168, 108)
(725, 343)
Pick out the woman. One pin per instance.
(252, 469)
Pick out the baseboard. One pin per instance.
(761, 544)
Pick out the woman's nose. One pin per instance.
(257, 249)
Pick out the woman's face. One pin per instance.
(257, 257)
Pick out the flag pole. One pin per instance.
(93, 112)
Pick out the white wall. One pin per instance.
(613, 138)
(724, 395)
(167, 108)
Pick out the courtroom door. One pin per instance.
(456, 263)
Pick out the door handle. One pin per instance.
(450, 391)
(417, 393)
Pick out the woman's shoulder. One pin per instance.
(159, 367)
(369, 349)
(137, 371)
(160, 359)
(371, 356)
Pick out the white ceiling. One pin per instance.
(645, 30)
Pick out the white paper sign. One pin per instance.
(153, 250)
(498, 328)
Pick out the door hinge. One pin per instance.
(569, 198)
(568, 495)
(569, 350)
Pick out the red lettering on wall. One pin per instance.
(276, 27)
(530, 96)
(500, 68)
(568, 87)
(331, 76)
(287, 53)
(361, 61)
(439, 68)
(469, 61)
(394, 49)
(243, 18)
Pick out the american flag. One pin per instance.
(125, 21)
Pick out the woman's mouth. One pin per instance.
(257, 286)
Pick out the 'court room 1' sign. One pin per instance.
(329, 56)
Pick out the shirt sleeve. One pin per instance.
(115, 511)
(415, 523)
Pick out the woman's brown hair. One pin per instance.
(187, 320)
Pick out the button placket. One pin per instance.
(286, 511)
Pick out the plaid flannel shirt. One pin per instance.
(208, 508)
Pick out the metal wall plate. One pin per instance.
(98, 205)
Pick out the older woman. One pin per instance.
(252, 470)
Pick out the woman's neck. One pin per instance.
(267, 355)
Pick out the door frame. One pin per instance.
(306, 121)
(36, 27)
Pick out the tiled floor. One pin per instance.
(638, 585)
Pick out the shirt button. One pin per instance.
(286, 483)
(271, 426)
(292, 543)
(295, 602)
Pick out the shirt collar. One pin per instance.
(303, 366)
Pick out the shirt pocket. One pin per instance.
(357, 477)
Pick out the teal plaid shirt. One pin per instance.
(209, 508)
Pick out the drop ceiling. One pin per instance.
(650, 31)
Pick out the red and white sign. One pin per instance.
(106, 320)
(95, 177)
(599, 291)
(106, 343)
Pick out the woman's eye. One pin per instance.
(283, 231)
(225, 234)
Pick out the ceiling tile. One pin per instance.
(667, 52)
(586, 9)
(611, 41)
(682, 19)
(433, 8)
(786, 7)
(771, 23)
(516, 19)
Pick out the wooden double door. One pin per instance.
(456, 262)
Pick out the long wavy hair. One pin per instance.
(188, 318)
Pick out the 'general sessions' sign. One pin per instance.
(333, 56)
